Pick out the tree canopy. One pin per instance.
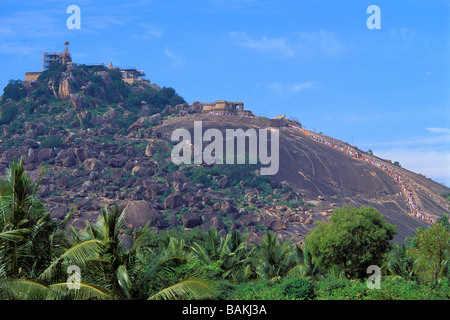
(353, 239)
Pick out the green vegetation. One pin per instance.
(14, 90)
(158, 100)
(52, 141)
(235, 174)
(9, 112)
(97, 93)
(38, 257)
(353, 239)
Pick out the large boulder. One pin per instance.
(118, 161)
(58, 213)
(191, 220)
(139, 213)
(76, 100)
(173, 201)
(249, 220)
(154, 188)
(65, 88)
(223, 182)
(81, 154)
(214, 222)
(97, 120)
(46, 154)
(138, 124)
(69, 161)
(277, 225)
(228, 207)
(177, 176)
(93, 164)
(30, 143)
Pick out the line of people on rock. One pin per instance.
(409, 195)
(223, 113)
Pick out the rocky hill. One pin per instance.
(102, 141)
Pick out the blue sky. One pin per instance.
(386, 90)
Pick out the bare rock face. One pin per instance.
(65, 88)
(76, 100)
(105, 76)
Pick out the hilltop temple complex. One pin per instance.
(129, 75)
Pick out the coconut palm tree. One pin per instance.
(304, 264)
(275, 258)
(401, 262)
(239, 267)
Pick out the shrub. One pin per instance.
(262, 290)
(157, 99)
(54, 71)
(352, 239)
(299, 288)
(52, 141)
(9, 112)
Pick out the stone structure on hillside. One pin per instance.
(222, 107)
(48, 59)
(129, 75)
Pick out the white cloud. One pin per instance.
(177, 61)
(439, 130)
(323, 41)
(266, 44)
(290, 88)
(429, 156)
(432, 164)
(301, 44)
(148, 31)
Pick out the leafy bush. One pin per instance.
(353, 239)
(54, 71)
(299, 288)
(52, 141)
(157, 99)
(261, 290)
(9, 112)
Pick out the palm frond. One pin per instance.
(79, 255)
(124, 280)
(84, 291)
(14, 235)
(190, 288)
(22, 289)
